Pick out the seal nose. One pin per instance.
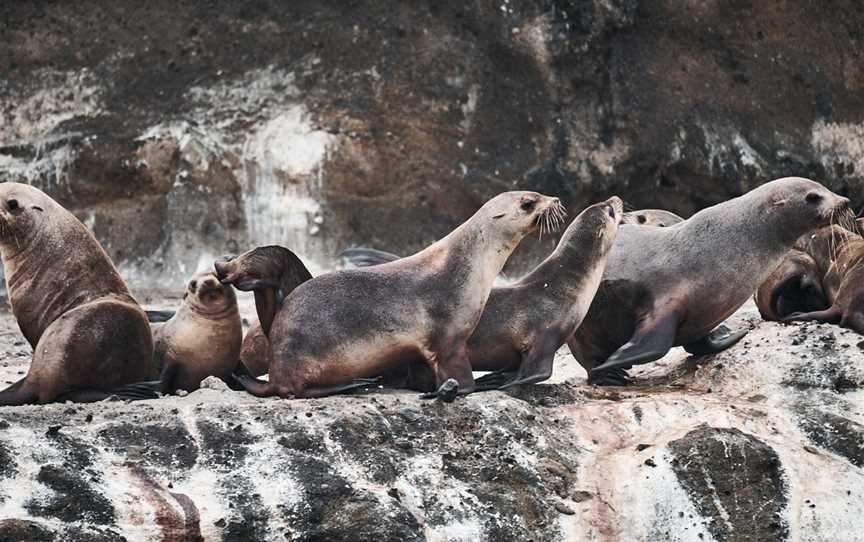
(221, 266)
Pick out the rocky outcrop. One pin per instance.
(761, 442)
(182, 130)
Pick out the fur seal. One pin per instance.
(795, 286)
(671, 286)
(339, 328)
(89, 335)
(202, 339)
(657, 218)
(525, 323)
(842, 253)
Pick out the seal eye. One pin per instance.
(641, 219)
(611, 212)
(12, 204)
(193, 285)
(813, 197)
(527, 205)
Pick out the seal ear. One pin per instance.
(499, 216)
(779, 202)
(37, 208)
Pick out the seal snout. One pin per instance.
(223, 268)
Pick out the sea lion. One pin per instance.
(671, 286)
(338, 328)
(202, 339)
(795, 286)
(842, 252)
(526, 322)
(89, 335)
(271, 272)
(657, 218)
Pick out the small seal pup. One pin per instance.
(657, 218)
(90, 337)
(842, 252)
(671, 286)
(525, 323)
(353, 324)
(202, 339)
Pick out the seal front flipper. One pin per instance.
(447, 392)
(355, 384)
(652, 340)
(18, 394)
(720, 338)
(614, 377)
(494, 380)
(138, 391)
(832, 315)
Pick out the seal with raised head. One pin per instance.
(90, 337)
(353, 324)
(202, 339)
(794, 286)
(842, 253)
(526, 322)
(657, 218)
(671, 286)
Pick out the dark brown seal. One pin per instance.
(202, 339)
(526, 322)
(795, 286)
(671, 286)
(271, 272)
(657, 218)
(88, 334)
(842, 253)
(358, 323)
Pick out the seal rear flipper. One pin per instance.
(720, 338)
(355, 384)
(18, 394)
(832, 315)
(138, 391)
(156, 317)
(651, 341)
(366, 257)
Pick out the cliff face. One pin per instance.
(182, 130)
(762, 442)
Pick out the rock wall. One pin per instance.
(762, 442)
(182, 130)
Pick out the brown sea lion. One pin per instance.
(88, 334)
(526, 322)
(271, 272)
(671, 286)
(795, 286)
(842, 252)
(357, 323)
(657, 218)
(202, 339)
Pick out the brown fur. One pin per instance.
(88, 334)
(841, 254)
(671, 286)
(795, 286)
(359, 323)
(202, 339)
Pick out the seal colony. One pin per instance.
(620, 289)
